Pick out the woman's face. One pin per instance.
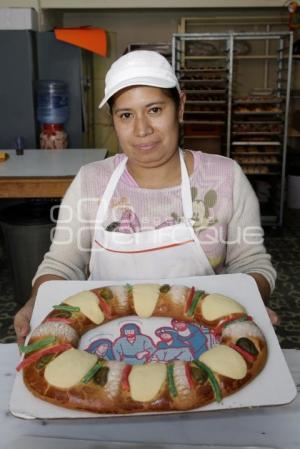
(146, 123)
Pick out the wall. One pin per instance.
(123, 28)
(155, 26)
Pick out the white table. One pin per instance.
(275, 427)
(43, 173)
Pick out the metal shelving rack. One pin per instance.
(255, 124)
(206, 80)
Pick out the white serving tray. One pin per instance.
(273, 386)
(28, 442)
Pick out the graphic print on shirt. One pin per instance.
(124, 218)
(203, 212)
(127, 221)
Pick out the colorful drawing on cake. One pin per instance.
(132, 346)
(177, 340)
(192, 335)
(102, 347)
(170, 346)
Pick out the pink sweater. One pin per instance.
(226, 215)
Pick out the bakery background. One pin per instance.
(249, 90)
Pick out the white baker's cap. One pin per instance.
(139, 67)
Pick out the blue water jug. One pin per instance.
(52, 102)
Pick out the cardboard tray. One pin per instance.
(29, 442)
(275, 377)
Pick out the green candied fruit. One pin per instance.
(66, 308)
(199, 375)
(62, 314)
(164, 288)
(37, 345)
(43, 361)
(106, 293)
(247, 345)
(100, 378)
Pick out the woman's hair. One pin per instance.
(171, 93)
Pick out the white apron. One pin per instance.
(170, 252)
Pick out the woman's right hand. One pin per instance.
(22, 321)
(23, 316)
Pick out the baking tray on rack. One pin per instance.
(203, 122)
(262, 174)
(205, 112)
(204, 70)
(256, 133)
(257, 112)
(204, 81)
(258, 163)
(258, 142)
(255, 153)
(258, 122)
(261, 101)
(205, 91)
(213, 102)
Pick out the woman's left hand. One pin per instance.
(275, 320)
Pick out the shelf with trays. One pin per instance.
(204, 70)
(258, 113)
(205, 80)
(214, 112)
(259, 173)
(258, 101)
(202, 91)
(249, 159)
(256, 133)
(206, 102)
(204, 122)
(255, 108)
(255, 123)
(256, 153)
(260, 122)
(256, 142)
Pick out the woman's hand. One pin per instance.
(23, 316)
(22, 321)
(275, 320)
(264, 289)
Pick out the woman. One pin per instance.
(153, 211)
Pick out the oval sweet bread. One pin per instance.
(55, 370)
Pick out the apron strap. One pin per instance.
(186, 194)
(109, 191)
